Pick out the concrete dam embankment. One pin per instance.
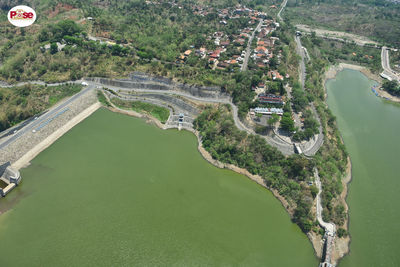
(10, 177)
(144, 81)
(179, 98)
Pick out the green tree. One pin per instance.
(314, 191)
(391, 87)
(287, 122)
(53, 48)
(341, 232)
(273, 119)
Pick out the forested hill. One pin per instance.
(147, 30)
(376, 19)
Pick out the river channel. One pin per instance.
(370, 127)
(115, 191)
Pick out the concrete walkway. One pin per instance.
(330, 228)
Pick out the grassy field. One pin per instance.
(160, 113)
(102, 99)
(157, 112)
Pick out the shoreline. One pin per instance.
(24, 161)
(206, 155)
(255, 178)
(342, 245)
(333, 70)
(314, 238)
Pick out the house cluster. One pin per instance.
(275, 75)
(265, 48)
(229, 13)
(229, 51)
(223, 43)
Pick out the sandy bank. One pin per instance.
(27, 157)
(335, 69)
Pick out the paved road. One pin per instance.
(300, 52)
(16, 128)
(330, 228)
(285, 148)
(280, 11)
(42, 118)
(248, 49)
(343, 37)
(388, 73)
(5, 85)
(309, 150)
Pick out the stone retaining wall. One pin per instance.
(143, 81)
(173, 101)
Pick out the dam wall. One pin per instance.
(139, 80)
(10, 177)
(177, 103)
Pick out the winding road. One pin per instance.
(24, 127)
(318, 139)
(388, 73)
(284, 147)
(330, 228)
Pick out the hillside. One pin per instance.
(376, 19)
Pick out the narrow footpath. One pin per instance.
(280, 11)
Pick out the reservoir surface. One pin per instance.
(370, 127)
(115, 191)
